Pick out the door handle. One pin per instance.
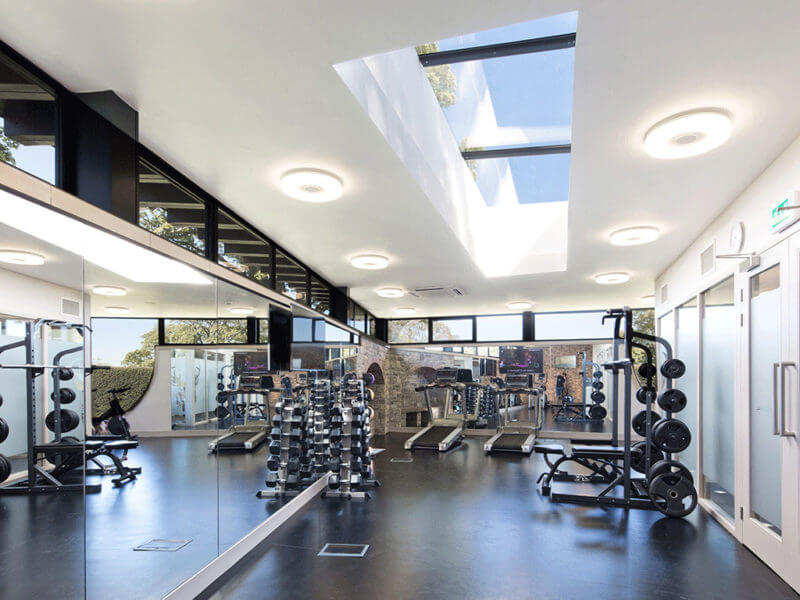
(775, 426)
(783, 431)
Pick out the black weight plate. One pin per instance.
(642, 393)
(672, 400)
(221, 412)
(598, 385)
(597, 413)
(3, 430)
(5, 468)
(597, 374)
(673, 494)
(639, 457)
(66, 395)
(669, 466)
(65, 373)
(116, 425)
(1, 400)
(671, 435)
(639, 421)
(673, 368)
(598, 397)
(69, 420)
(646, 370)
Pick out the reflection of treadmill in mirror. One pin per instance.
(446, 428)
(247, 405)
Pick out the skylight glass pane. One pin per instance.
(555, 25)
(522, 180)
(513, 101)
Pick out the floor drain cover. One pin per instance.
(351, 550)
(405, 460)
(162, 545)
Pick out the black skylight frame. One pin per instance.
(489, 51)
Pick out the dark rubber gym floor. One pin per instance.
(455, 525)
(468, 526)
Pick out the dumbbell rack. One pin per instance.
(321, 402)
(352, 470)
(288, 444)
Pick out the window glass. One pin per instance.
(320, 296)
(500, 327)
(572, 326)
(205, 331)
(169, 211)
(718, 364)
(370, 325)
(446, 330)
(408, 331)
(290, 278)
(27, 122)
(357, 317)
(325, 332)
(243, 251)
(302, 328)
(263, 331)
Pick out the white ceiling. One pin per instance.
(235, 93)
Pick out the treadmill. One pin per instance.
(250, 372)
(518, 436)
(447, 430)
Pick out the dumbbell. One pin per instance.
(275, 433)
(335, 450)
(273, 463)
(278, 408)
(336, 411)
(334, 465)
(291, 481)
(336, 420)
(334, 482)
(271, 480)
(336, 435)
(298, 411)
(355, 463)
(355, 447)
(293, 465)
(276, 420)
(295, 433)
(357, 409)
(355, 432)
(294, 449)
(275, 447)
(355, 480)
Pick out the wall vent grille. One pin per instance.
(708, 259)
(70, 307)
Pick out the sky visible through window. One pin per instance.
(508, 102)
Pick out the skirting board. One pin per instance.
(205, 577)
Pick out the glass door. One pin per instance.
(769, 499)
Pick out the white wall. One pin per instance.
(753, 208)
(153, 412)
(26, 297)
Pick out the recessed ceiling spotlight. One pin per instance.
(634, 236)
(369, 261)
(390, 292)
(611, 278)
(311, 185)
(648, 298)
(20, 257)
(117, 310)
(520, 305)
(688, 134)
(109, 290)
(241, 310)
(405, 312)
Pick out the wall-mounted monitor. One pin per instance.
(521, 359)
(247, 363)
(569, 361)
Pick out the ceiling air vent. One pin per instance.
(437, 292)
(70, 307)
(663, 294)
(707, 260)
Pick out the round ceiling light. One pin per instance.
(405, 312)
(20, 257)
(520, 305)
(117, 310)
(390, 292)
(611, 278)
(311, 185)
(109, 290)
(634, 236)
(688, 134)
(241, 310)
(369, 261)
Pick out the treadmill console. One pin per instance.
(519, 380)
(256, 382)
(447, 375)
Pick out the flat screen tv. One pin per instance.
(521, 359)
(246, 363)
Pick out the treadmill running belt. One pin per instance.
(236, 440)
(432, 437)
(511, 442)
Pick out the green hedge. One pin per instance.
(135, 378)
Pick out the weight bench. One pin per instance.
(602, 461)
(96, 448)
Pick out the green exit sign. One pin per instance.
(782, 219)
